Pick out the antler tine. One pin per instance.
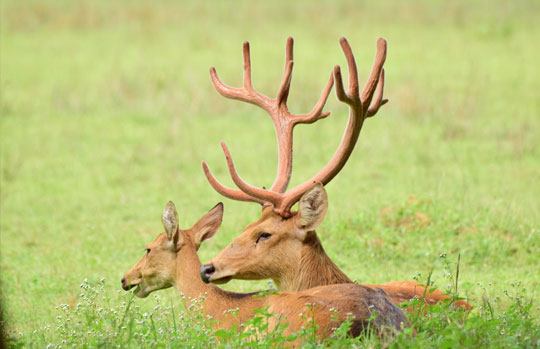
(247, 66)
(283, 92)
(379, 101)
(316, 113)
(284, 88)
(340, 91)
(249, 189)
(289, 49)
(351, 64)
(226, 191)
(373, 80)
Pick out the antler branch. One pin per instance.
(316, 113)
(249, 189)
(234, 194)
(376, 71)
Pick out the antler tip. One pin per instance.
(205, 167)
(226, 151)
(215, 80)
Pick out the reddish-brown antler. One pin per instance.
(360, 108)
(283, 120)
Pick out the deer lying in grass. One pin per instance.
(282, 245)
(171, 260)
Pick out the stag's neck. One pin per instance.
(212, 300)
(315, 268)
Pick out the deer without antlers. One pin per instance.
(282, 245)
(171, 260)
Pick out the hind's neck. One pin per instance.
(228, 308)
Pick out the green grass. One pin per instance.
(107, 111)
(102, 319)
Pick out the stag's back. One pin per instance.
(328, 306)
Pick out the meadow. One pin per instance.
(107, 110)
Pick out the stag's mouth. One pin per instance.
(221, 280)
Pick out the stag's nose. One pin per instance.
(206, 272)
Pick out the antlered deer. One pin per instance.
(282, 245)
(171, 260)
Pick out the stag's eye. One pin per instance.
(147, 251)
(263, 235)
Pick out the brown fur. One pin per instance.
(294, 258)
(313, 257)
(327, 273)
(173, 261)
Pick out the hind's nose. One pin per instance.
(206, 272)
(124, 286)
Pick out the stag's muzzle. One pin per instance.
(206, 272)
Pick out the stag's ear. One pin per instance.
(312, 209)
(170, 220)
(208, 225)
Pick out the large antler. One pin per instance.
(283, 120)
(360, 108)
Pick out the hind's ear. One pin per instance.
(208, 225)
(312, 209)
(170, 220)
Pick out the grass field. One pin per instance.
(107, 111)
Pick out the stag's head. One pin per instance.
(269, 244)
(273, 243)
(158, 268)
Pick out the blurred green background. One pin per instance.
(107, 111)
